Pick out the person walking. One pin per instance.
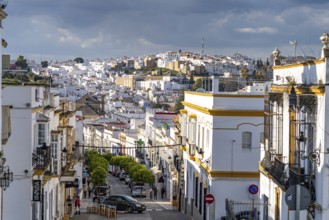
(163, 192)
(69, 204)
(155, 193)
(85, 189)
(77, 204)
(151, 193)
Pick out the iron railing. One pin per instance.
(41, 158)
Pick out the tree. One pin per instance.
(44, 64)
(197, 84)
(98, 176)
(179, 105)
(21, 62)
(79, 60)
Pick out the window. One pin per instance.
(246, 139)
(41, 134)
(54, 146)
(261, 137)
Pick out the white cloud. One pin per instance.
(67, 36)
(93, 41)
(219, 23)
(260, 30)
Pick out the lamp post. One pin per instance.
(6, 177)
(300, 139)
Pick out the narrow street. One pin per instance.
(160, 209)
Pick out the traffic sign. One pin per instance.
(209, 198)
(253, 189)
(304, 197)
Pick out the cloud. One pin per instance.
(267, 30)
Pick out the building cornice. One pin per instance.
(294, 65)
(221, 112)
(300, 89)
(224, 95)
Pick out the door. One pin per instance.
(277, 203)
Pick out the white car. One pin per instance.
(127, 179)
(138, 191)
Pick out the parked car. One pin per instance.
(103, 190)
(247, 215)
(127, 179)
(122, 176)
(124, 203)
(138, 191)
(133, 183)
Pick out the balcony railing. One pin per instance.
(280, 173)
(41, 158)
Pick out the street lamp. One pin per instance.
(6, 177)
(300, 139)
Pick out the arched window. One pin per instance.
(246, 139)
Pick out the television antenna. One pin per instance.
(202, 44)
(294, 44)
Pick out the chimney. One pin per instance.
(325, 50)
(276, 54)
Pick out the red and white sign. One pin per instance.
(209, 198)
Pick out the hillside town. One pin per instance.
(213, 137)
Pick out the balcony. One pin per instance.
(277, 169)
(41, 158)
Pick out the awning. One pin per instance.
(68, 176)
(155, 170)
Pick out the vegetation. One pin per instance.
(136, 171)
(44, 64)
(24, 77)
(197, 84)
(79, 60)
(97, 167)
(21, 63)
(178, 104)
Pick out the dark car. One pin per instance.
(246, 215)
(124, 203)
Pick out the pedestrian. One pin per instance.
(77, 204)
(85, 189)
(163, 191)
(69, 204)
(155, 193)
(151, 193)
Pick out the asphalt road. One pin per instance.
(155, 209)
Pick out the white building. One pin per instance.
(220, 142)
(4, 112)
(41, 130)
(295, 154)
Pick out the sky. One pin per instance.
(65, 29)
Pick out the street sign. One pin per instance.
(253, 189)
(291, 197)
(209, 199)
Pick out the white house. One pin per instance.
(294, 159)
(36, 154)
(220, 142)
